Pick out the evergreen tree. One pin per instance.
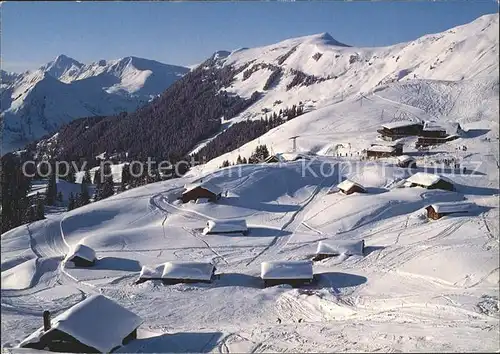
(239, 161)
(86, 177)
(259, 155)
(106, 188)
(71, 174)
(84, 197)
(42, 170)
(59, 196)
(13, 194)
(293, 112)
(264, 152)
(31, 213)
(97, 176)
(71, 202)
(40, 208)
(153, 175)
(135, 176)
(244, 161)
(126, 177)
(156, 175)
(51, 194)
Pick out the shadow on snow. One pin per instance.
(117, 263)
(182, 342)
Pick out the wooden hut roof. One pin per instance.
(381, 148)
(287, 270)
(425, 179)
(293, 156)
(188, 270)
(97, 322)
(337, 247)
(81, 251)
(452, 207)
(433, 126)
(234, 225)
(400, 124)
(405, 158)
(209, 186)
(348, 184)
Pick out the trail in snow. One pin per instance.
(219, 256)
(280, 241)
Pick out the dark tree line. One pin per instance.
(235, 136)
(281, 59)
(259, 155)
(317, 56)
(51, 194)
(241, 133)
(17, 207)
(302, 79)
(105, 186)
(82, 198)
(273, 79)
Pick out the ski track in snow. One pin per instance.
(280, 241)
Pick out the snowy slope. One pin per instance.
(381, 85)
(417, 275)
(36, 103)
(462, 53)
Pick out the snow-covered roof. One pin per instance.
(452, 207)
(337, 247)
(286, 270)
(97, 321)
(405, 158)
(381, 148)
(399, 124)
(396, 143)
(82, 251)
(188, 270)
(279, 157)
(424, 179)
(292, 156)
(209, 186)
(348, 184)
(433, 126)
(151, 273)
(234, 225)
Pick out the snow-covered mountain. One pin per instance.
(317, 68)
(451, 75)
(63, 67)
(454, 74)
(38, 102)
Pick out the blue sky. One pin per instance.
(186, 33)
